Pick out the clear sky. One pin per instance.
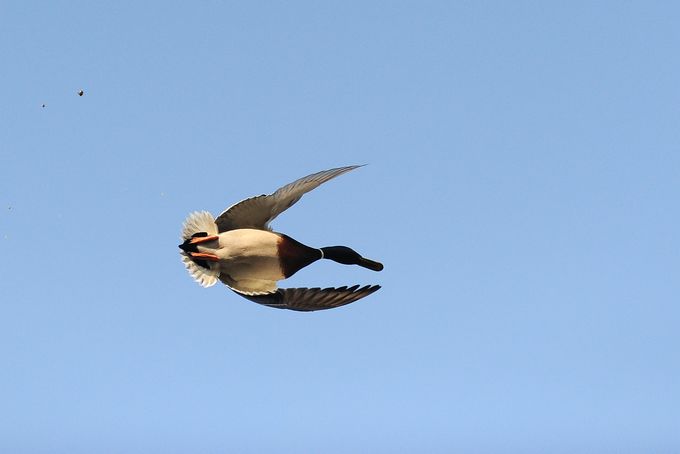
(521, 189)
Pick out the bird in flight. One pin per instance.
(241, 250)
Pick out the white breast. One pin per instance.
(250, 254)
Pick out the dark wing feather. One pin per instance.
(257, 212)
(311, 299)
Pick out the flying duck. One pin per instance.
(241, 250)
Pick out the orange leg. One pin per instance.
(203, 239)
(205, 256)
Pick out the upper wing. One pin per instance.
(311, 299)
(257, 212)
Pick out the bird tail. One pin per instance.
(197, 222)
(200, 222)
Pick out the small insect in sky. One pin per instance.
(81, 93)
(43, 106)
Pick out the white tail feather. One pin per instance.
(205, 277)
(200, 221)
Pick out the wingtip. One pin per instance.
(372, 288)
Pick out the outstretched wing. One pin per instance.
(311, 299)
(257, 212)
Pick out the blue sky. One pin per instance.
(521, 189)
